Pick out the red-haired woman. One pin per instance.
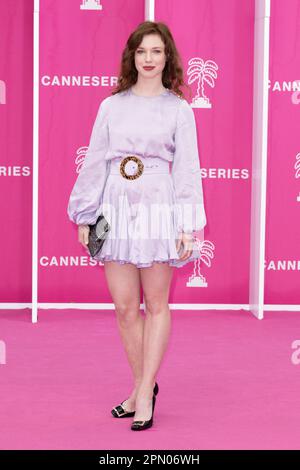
(153, 210)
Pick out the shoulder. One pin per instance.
(185, 113)
(182, 104)
(181, 107)
(104, 104)
(110, 100)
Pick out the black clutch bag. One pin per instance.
(97, 235)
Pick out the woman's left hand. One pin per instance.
(186, 240)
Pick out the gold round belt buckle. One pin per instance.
(140, 167)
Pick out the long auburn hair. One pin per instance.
(172, 75)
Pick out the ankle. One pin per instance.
(147, 384)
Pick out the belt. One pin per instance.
(133, 166)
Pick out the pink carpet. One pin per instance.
(227, 382)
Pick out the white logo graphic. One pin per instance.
(206, 249)
(81, 154)
(2, 92)
(289, 86)
(297, 168)
(91, 5)
(201, 72)
(296, 354)
(2, 352)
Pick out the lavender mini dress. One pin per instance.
(154, 195)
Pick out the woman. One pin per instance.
(143, 126)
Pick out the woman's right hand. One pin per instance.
(83, 235)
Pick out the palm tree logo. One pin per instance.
(2, 352)
(91, 5)
(297, 168)
(202, 72)
(79, 160)
(2, 92)
(206, 249)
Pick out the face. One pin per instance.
(150, 52)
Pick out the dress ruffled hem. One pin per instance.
(174, 262)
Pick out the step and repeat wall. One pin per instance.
(16, 115)
(282, 258)
(81, 42)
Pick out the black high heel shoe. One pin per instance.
(120, 412)
(140, 425)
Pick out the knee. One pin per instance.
(127, 314)
(156, 306)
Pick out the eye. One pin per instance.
(140, 50)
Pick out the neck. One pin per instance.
(146, 88)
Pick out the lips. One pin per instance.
(148, 68)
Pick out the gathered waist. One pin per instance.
(132, 166)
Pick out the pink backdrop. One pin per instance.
(16, 95)
(282, 262)
(80, 52)
(222, 32)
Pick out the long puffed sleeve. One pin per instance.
(186, 173)
(85, 198)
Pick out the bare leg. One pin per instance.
(124, 285)
(156, 282)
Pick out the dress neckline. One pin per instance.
(154, 96)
